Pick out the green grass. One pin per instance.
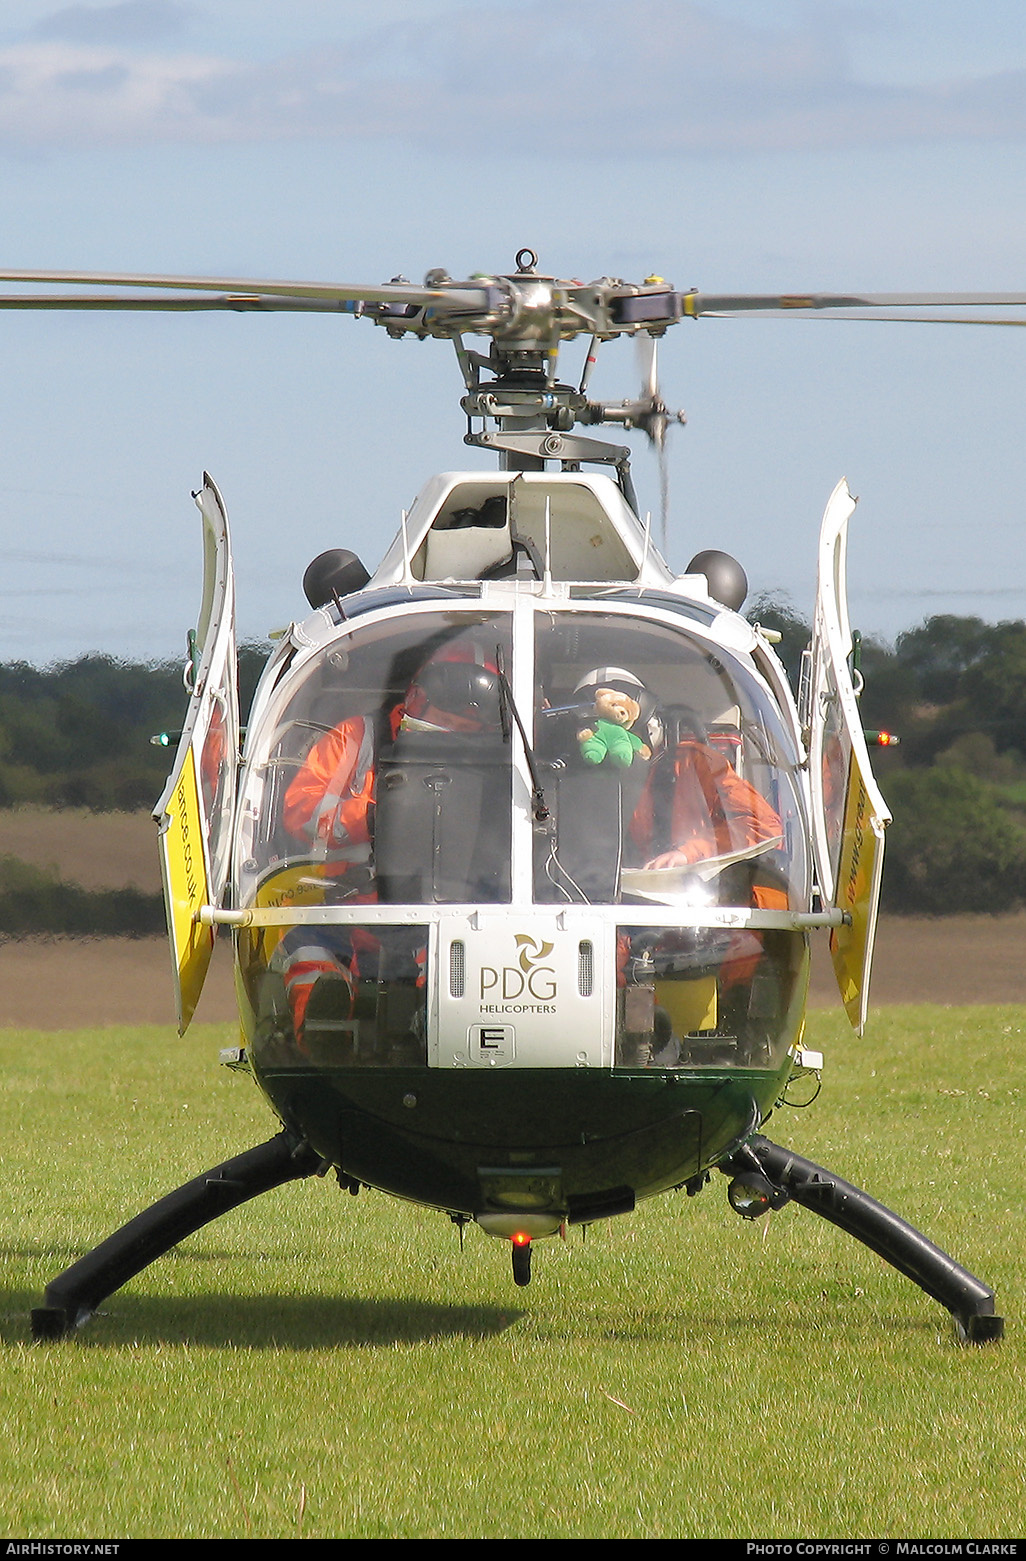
(320, 1365)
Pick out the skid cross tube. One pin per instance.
(968, 1299)
(73, 1296)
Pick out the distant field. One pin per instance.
(96, 850)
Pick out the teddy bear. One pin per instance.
(609, 736)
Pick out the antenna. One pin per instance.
(407, 571)
(648, 539)
(547, 573)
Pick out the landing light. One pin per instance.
(522, 1227)
(751, 1195)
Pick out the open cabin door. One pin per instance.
(849, 815)
(197, 807)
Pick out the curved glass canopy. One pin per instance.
(607, 773)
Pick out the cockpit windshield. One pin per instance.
(389, 770)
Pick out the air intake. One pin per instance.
(457, 968)
(585, 967)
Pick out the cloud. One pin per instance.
(586, 77)
(130, 22)
(67, 95)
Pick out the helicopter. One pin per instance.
(524, 844)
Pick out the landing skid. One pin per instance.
(969, 1301)
(73, 1296)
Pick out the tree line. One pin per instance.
(77, 734)
(953, 690)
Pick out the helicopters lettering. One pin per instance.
(485, 962)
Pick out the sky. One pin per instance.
(726, 144)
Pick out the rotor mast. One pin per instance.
(534, 411)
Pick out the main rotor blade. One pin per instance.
(490, 305)
(237, 301)
(328, 292)
(868, 318)
(697, 303)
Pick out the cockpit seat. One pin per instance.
(593, 807)
(442, 823)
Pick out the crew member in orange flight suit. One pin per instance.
(712, 810)
(696, 806)
(330, 802)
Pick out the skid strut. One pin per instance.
(968, 1299)
(73, 1296)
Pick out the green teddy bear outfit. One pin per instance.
(613, 742)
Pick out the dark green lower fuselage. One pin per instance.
(443, 1137)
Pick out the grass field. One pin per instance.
(319, 1365)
